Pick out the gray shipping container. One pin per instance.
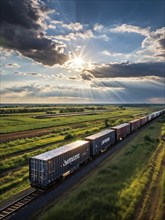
(101, 141)
(49, 166)
(134, 124)
(156, 114)
(150, 117)
(122, 131)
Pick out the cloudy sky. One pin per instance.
(82, 51)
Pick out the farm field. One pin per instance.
(14, 154)
(129, 185)
(23, 122)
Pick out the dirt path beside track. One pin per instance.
(43, 131)
(148, 207)
(25, 134)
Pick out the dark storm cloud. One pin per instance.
(161, 47)
(132, 91)
(20, 12)
(162, 43)
(86, 76)
(22, 23)
(128, 70)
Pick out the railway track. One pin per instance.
(55, 193)
(43, 131)
(18, 204)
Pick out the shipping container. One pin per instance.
(46, 168)
(150, 117)
(154, 114)
(134, 124)
(143, 120)
(122, 131)
(158, 113)
(162, 111)
(101, 141)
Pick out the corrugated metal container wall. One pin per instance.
(156, 114)
(150, 117)
(67, 162)
(37, 171)
(143, 120)
(122, 130)
(134, 125)
(163, 110)
(101, 141)
(47, 167)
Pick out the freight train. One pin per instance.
(47, 168)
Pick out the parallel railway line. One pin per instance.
(43, 131)
(16, 205)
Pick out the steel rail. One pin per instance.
(19, 203)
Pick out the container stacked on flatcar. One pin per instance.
(150, 117)
(46, 168)
(122, 131)
(101, 141)
(143, 120)
(163, 111)
(156, 114)
(134, 124)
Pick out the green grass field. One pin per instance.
(14, 158)
(25, 122)
(114, 190)
(14, 155)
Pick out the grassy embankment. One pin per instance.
(117, 188)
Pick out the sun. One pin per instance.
(78, 62)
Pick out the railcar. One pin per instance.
(150, 117)
(101, 141)
(134, 124)
(143, 120)
(47, 168)
(122, 131)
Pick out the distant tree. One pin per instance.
(50, 112)
(112, 122)
(106, 123)
(68, 136)
(121, 107)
